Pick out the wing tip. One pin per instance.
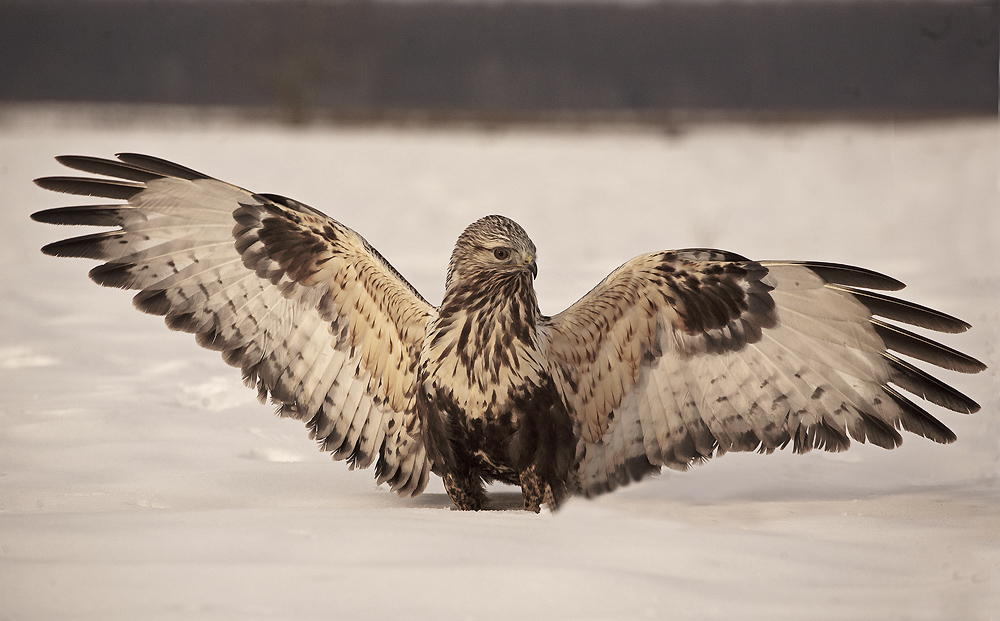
(852, 276)
(905, 342)
(917, 420)
(82, 247)
(45, 216)
(52, 250)
(160, 166)
(89, 186)
(47, 183)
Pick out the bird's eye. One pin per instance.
(501, 254)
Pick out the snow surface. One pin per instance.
(140, 480)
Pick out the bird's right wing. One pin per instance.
(316, 319)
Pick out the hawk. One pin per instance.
(675, 357)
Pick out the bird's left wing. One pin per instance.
(677, 356)
(316, 319)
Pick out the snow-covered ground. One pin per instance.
(140, 480)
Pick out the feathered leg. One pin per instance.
(536, 491)
(465, 490)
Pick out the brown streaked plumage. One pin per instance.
(674, 358)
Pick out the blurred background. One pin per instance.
(490, 61)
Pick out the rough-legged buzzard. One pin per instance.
(675, 357)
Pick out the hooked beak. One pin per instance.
(529, 262)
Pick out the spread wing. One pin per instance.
(677, 356)
(316, 319)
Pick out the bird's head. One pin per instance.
(491, 245)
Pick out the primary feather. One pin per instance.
(674, 358)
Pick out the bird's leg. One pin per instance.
(535, 491)
(465, 490)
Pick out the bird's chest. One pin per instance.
(476, 379)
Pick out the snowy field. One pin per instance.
(140, 480)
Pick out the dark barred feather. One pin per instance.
(914, 314)
(838, 274)
(85, 186)
(926, 386)
(93, 246)
(906, 342)
(917, 420)
(161, 167)
(90, 215)
(107, 168)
